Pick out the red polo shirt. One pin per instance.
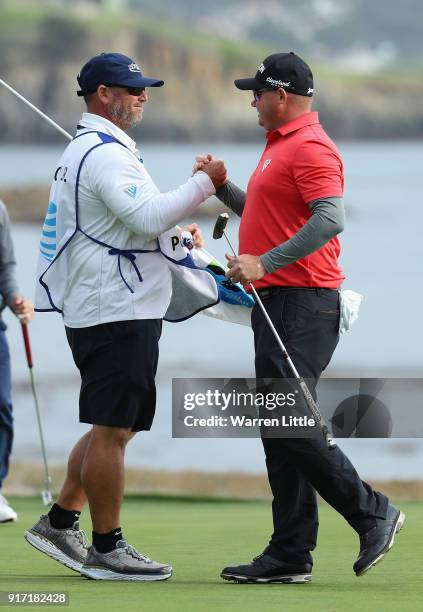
(300, 163)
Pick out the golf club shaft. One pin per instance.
(303, 385)
(40, 429)
(46, 495)
(37, 110)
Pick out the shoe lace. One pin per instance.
(80, 536)
(130, 550)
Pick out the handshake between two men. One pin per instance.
(216, 170)
(244, 268)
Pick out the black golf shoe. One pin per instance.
(265, 569)
(375, 543)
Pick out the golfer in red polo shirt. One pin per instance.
(288, 247)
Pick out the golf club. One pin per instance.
(45, 493)
(218, 232)
(37, 110)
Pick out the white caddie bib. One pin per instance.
(198, 281)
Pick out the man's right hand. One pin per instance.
(22, 308)
(215, 168)
(201, 161)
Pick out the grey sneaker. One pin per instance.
(67, 546)
(123, 563)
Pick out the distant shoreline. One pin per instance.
(26, 478)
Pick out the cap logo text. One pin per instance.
(310, 90)
(261, 68)
(134, 67)
(276, 83)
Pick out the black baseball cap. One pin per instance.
(112, 69)
(285, 70)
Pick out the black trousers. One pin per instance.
(307, 320)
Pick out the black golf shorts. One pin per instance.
(118, 363)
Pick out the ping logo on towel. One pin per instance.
(131, 191)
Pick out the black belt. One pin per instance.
(268, 291)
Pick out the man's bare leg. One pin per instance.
(103, 481)
(58, 535)
(72, 495)
(102, 475)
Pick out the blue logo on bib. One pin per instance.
(48, 243)
(131, 191)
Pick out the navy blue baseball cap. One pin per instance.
(112, 69)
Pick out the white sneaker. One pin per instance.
(7, 513)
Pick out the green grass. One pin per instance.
(199, 537)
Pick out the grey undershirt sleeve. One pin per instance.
(8, 285)
(326, 221)
(232, 196)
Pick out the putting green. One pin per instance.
(199, 537)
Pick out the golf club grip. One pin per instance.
(330, 442)
(27, 344)
(220, 225)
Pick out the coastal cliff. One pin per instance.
(43, 47)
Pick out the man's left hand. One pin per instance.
(196, 234)
(244, 268)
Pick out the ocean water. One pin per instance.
(382, 254)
